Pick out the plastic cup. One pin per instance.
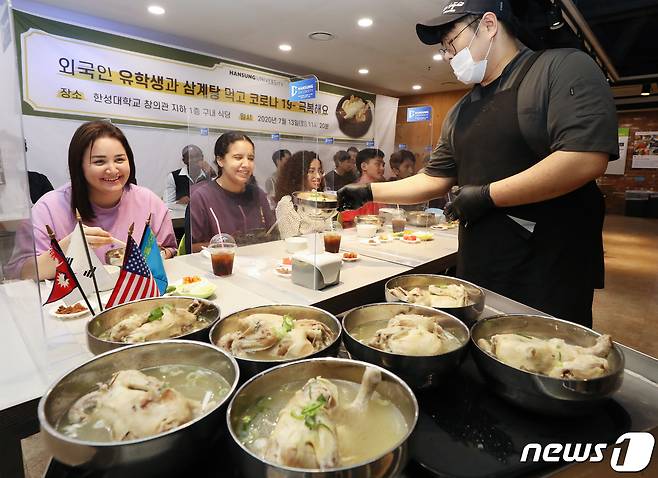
(332, 238)
(222, 249)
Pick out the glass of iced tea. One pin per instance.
(222, 249)
(398, 222)
(332, 237)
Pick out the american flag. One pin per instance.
(135, 280)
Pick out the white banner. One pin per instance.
(69, 76)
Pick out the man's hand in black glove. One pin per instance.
(353, 196)
(471, 204)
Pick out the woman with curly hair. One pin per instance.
(302, 172)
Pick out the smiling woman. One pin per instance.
(103, 191)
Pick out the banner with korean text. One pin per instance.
(62, 75)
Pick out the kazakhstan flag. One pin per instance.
(151, 252)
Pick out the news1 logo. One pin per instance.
(638, 445)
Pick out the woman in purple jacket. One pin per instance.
(240, 205)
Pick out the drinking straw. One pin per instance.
(221, 238)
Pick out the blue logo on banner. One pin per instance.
(370, 144)
(302, 89)
(402, 146)
(204, 131)
(419, 113)
(276, 136)
(328, 140)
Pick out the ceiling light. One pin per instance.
(321, 36)
(364, 22)
(555, 20)
(285, 47)
(437, 57)
(646, 89)
(363, 71)
(416, 87)
(156, 10)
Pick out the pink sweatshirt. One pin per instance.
(54, 209)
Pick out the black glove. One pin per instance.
(353, 196)
(471, 203)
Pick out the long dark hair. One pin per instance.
(224, 142)
(292, 176)
(82, 139)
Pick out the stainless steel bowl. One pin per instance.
(316, 205)
(420, 372)
(369, 219)
(467, 314)
(538, 392)
(251, 367)
(392, 388)
(110, 317)
(151, 456)
(421, 218)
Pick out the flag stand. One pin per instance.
(91, 267)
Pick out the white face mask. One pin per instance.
(466, 69)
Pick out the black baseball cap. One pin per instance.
(430, 31)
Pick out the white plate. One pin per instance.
(386, 241)
(287, 276)
(367, 242)
(352, 259)
(406, 241)
(52, 312)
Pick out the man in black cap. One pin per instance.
(194, 170)
(525, 145)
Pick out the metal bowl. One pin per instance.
(421, 218)
(468, 314)
(392, 388)
(110, 317)
(537, 392)
(151, 456)
(251, 367)
(316, 204)
(420, 372)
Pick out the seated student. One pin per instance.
(302, 172)
(240, 205)
(279, 158)
(194, 170)
(103, 190)
(344, 172)
(370, 163)
(39, 185)
(403, 164)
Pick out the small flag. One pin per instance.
(64, 282)
(151, 251)
(135, 280)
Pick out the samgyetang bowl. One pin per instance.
(250, 366)
(537, 392)
(151, 456)
(467, 314)
(420, 372)
(387, 464)
(209, 312)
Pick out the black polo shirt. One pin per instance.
(564, 104)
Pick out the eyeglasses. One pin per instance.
(452, 49)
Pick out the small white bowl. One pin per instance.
(366, 230)
(295, 244)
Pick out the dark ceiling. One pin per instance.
(627, 31)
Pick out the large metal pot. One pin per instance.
(421, 218)
(467, 314)
(316, 204)
(110, 317)
(537, 392)
(389, 464)
(420, 372)
(151, 456)
(251, 367)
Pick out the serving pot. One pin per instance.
(420, 372)
(468, 314)
(110, 317)
(249, 366)
(537, 392)
(389, 464)
(151, 456)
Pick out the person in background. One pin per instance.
(403, 164)
(195, 169)
(344, 172)
(371, 165)
(525, 146)
(353, 151)
(279, 158)
(302, 172)
(103, 190)
(39, 185)
(241, 206)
